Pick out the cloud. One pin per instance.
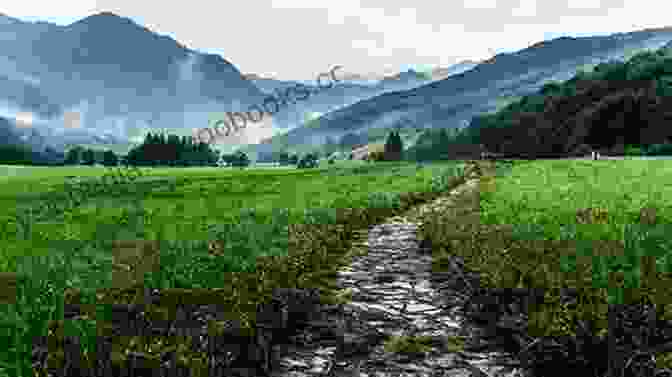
(261, 36)
(24, 119)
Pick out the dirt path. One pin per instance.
(392, 296)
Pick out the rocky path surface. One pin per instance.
(393, 296)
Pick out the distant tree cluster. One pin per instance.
(445, 144)
(310, 160)
(286, 159)
(84, 156)
(156, 150)
(238, 159)
(15, 155)
(159, 150)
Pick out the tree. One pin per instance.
(88, 157)
(110, 159)
(227, 159)
(293, 159)
(16, 155)
(74, 156)
(283, 159)
(240, 159)
(308, 161)
(393, 147)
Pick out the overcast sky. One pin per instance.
(298, 39)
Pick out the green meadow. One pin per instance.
(185, 204)
(602, 227)
(210, 223)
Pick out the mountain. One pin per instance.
(453, 101)
(442, 73)
(34, 145)
(116, 73)
(351, 89)
(269, 85)
(606, 109)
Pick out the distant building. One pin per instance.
(360, 153)
(363, 152)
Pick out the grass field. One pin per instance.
(599, 226)
(247, 212)
(610, 214)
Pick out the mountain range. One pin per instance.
(115, 73)
(490, 85)
(121, 77)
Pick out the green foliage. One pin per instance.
(88, 157)
(242, 219)
(659, 150)
(551, 88)
(308, 161)
(74, 155)
(394, 147)
(284, 158)
(159, 150)
(537, 125)
(632, 150)
(15, 155)
(238, 159)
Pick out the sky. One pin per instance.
(299, 39)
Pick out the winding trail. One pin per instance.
(392, 295)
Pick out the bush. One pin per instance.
(309, 161)
(631, 150)
(659, 150)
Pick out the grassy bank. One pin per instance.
(198, 235)
(601, 227)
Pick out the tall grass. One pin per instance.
(591, 203)
(207, 223)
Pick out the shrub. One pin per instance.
(632, 150)
(308, 161)
(659, 150)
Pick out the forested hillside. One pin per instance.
(615, 105)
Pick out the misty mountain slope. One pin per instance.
(112, 70)
(453, 101)
(121, 77)
(349, 90)
(27, 95)
(32, 145)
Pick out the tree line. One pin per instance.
(174, 151)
